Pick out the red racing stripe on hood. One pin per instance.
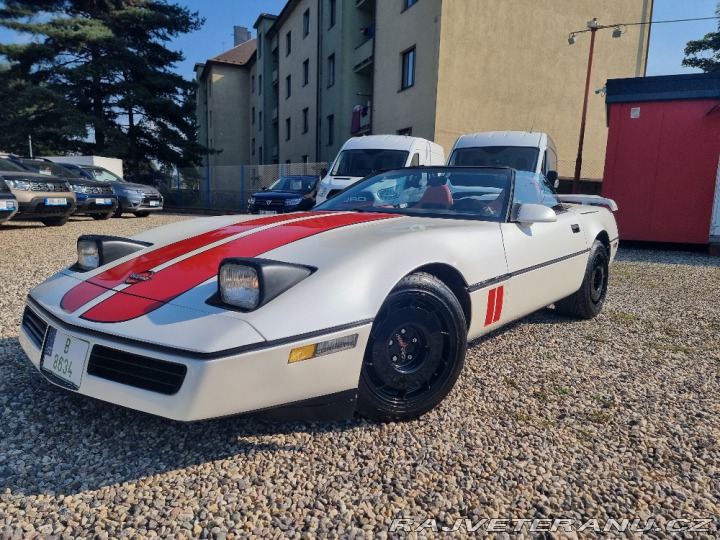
(144, 297)
(89, 290)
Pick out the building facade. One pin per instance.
(326, 70)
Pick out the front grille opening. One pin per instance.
(34, 326)
(135, 370)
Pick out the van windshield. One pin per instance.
(360, 163)
(522, 158)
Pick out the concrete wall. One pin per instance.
(397, 30)
(302, 96)
(508, 65)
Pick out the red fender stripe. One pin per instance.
(144, 297)
(498, 303)
(490, 307)
(89, 290)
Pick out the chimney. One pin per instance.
(242, 35)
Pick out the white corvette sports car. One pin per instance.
(366, 304)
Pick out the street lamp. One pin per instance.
(592, 27)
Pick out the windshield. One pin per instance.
(9, 166)
(359, 163)
(522, 158)
(459, 192)
(303, 184)
(48, 168)
(102, 175)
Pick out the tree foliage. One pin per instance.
(704, 53)
(96, 78)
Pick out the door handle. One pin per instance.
(575, 228)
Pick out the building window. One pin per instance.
(288, 43)
(333, 12)
(287, 129)
(331, 70)
(405, 131)
(252, 116)
(408, 69)
(306, 159)
(252, 84)
(252, 146)
(260, 121)
(408, 3)
(259, 45)
(306, 72)
(261, 156)
(331, 129)
(259, 84)
(306, 120)
(306, 22)
(288, 87)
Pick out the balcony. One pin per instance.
(363, 58)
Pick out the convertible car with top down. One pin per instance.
(363, 305)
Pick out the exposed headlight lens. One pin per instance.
(21, 185)
(88, 254)
(67, 186)
(322, 191)
(78, 189)
(293, 202)
(239, 286)
(251, 200)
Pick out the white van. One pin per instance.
(521, 150)
(360, 156)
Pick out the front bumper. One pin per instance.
(36, 207)
(140, 203)
(8, 208)
(92, 205)
(194, 388)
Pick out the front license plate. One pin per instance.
(103, 201)
(154, 203)
(64, 356)
(267, 211)
(50, 201)
(7, 205)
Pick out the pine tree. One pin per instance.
(696, 52)
(107, 62)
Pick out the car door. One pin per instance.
(546, 261)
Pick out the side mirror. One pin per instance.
(264, 188)
(552, 176)
(527, 214)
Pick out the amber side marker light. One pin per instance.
(306, 352)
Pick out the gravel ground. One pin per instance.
(617, 417)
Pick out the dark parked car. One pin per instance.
(8, 202)
(287, 194)
(139, 199)
(44, 198)
(93, 198)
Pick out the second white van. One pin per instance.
(360, 156)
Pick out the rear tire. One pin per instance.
(141, 214)
(102, 217)
(55, 221)
(587, 302)
(415, 352)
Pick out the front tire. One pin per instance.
(587, 302)
(415, 352)
(102, 217)
(141, 214)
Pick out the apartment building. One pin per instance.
(326, 70)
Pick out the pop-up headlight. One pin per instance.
(248, 284)
(96, 250)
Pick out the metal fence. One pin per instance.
(227, 187)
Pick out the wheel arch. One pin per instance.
(605, 239)
(454, 280)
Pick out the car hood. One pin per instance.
(358, 256)
(140, 187)
(278, 195)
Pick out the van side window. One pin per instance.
(415, 160)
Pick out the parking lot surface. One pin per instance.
(613, 418)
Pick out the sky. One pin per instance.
(667, 41)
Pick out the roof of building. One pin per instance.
(663, 88)
(239, 55)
